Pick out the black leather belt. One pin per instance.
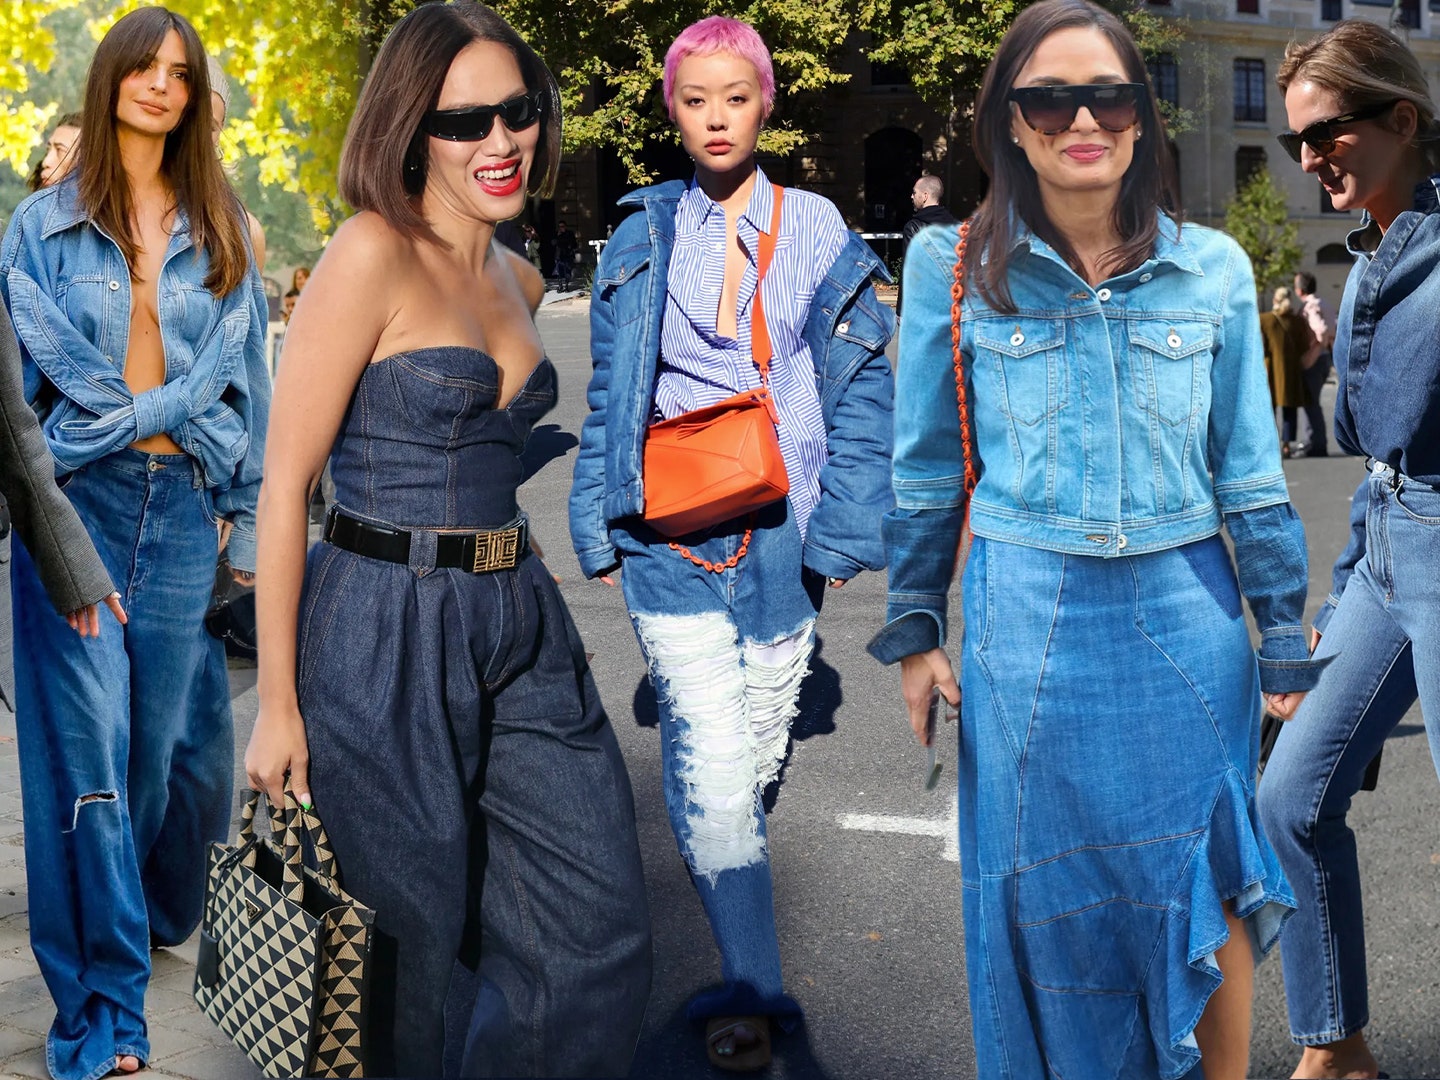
(476, 552)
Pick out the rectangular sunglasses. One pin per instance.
(474, 122)
(1052, 109)
(1321, 135)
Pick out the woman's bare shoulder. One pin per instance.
(532, 285)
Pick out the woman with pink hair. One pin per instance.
(726, 615)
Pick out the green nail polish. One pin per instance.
(306, 804)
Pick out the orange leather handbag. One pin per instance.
(710, 465)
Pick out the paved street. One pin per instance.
(867, 889)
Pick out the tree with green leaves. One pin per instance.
(1258, 217)
(301, 63)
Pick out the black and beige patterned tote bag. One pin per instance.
(284, 951)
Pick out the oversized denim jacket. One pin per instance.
(67, 286)
(1109, 421)
(847, 331)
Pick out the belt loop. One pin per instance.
(422, 551)
(199, 473)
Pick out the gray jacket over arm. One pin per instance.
(47, 524)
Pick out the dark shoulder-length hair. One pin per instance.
(189, 164)
(1148, 185)
(384, 162)
(36, 178)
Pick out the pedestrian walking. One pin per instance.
(725, 610)
(1117, 887)
(1317, 363)
(141, 321)
(566, 248)
(424, 681)
(1287, 341)
(925, 196)
(1363, 123)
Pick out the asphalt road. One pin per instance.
(866, 871)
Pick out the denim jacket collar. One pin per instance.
(66, 212)
(1170, 247)
(1365, 239)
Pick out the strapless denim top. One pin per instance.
(423, 446)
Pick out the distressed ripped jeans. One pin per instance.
(727, 654)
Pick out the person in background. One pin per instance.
(141, 320)
(219, 109)
(566, 248)
(419, 670)
(1117, 887)
(532, 245)
(925, 197)
(1317, 362)
(287, 304)
(1287, 341)
(59, 153)
(299, 278)
(726, 616)
(1363, 123)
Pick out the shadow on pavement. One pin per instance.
(547, 442)
(677, 1048)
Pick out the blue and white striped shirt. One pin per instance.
(698, 367)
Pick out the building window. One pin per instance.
(1165, 77)
(883, 74)
(1248, 7)
(1410, 14)
(1249, 160)
(1334, 10)
(1327, 205)
(1250, 91)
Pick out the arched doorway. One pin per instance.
(892, 165)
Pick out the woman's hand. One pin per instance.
(1284, 706)
(920, 673)
(277, 746)
(85, 621)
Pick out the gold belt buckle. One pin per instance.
(497, 550)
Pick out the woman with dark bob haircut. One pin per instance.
(1113, 416)
(425, 681)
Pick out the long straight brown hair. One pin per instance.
(1148, 185)
(189, 165)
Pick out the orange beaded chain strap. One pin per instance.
(967, 439)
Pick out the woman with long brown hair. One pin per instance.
(1080, 376)
(141, 322)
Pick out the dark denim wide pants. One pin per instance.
(471, 784)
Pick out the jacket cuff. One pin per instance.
(597, 561)
(1327, 609)
(915, 632)
(1286, 666)
(240, 550)
(830, 564)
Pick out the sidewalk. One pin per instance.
(183, 1042)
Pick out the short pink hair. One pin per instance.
(718, 33)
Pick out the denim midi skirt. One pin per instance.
(1109, 738)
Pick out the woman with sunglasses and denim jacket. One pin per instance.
(141, 320)
(726, 618)
(1117, 887)
(425, 681)
(1364, 123)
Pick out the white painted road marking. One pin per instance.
(948, 827)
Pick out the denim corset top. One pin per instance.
(423, 446)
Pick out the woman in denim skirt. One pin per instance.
(426, 682)
(1364, 123)
(726, 617)
(1117, 888)
(142, 325)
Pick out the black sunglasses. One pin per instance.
(1320, 135)
(1052, 109)
(473, 123)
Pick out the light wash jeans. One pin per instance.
(1385, 640)
(727, 654)
(126, 755)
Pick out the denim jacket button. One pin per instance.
(1017, 339)
(1103, 295)
(844, 327)
(114, 285)
(1120, 541)
(1174, 340)
(1145, 277)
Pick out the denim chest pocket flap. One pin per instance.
(1167, 366)
(1026, 359)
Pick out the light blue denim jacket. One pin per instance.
(1108, 421)
(67, 287)
(846, 331)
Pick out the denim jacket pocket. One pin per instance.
(627, 305)
(1028, 365)
(1166, 367)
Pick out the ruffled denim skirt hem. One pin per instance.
(1107, 806)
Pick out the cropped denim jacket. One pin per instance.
(1111, 421)
(67, 287)
(847, 331)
